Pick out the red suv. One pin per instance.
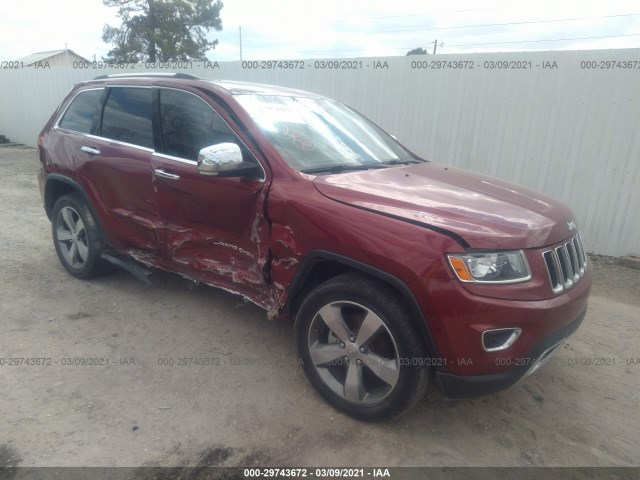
(393, 267)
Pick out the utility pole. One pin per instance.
(240, 35)
(435, 45)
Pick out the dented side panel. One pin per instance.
(215, 229)
(303, 220)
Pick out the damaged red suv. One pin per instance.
(397, 271)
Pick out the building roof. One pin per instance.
(40, 56)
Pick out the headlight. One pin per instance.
(491, 267)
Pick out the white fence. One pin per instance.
(564, 123)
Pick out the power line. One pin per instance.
(479, 44)
(485, 25)
(531, 22)
(541, 41)
(506, 24)
(419, 14)
(340, 51)
(343, 20)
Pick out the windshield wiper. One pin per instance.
(397, 161)
(344, 167)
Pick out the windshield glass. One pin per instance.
(316, 134)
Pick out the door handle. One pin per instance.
(161, 173)
(90, 150)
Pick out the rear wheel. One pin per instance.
(360, 348)
(76, 237)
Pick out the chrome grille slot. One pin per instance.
(582, 253)
(553, 267)
(566, 264)
(573, 259)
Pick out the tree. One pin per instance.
(162, 30)
(417, 51)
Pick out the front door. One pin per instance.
(215, 230)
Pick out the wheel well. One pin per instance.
(53, 191)
(321, 271)
(321, 266)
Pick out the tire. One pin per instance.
(355, 339)
(77, 238)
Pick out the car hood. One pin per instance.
(485, 212)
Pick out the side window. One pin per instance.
(127, 116)
(188, 124)
(81, 116)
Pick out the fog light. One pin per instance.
(499, 338)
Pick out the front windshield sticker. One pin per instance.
(282, 113)
(298, 139)
(268, 110)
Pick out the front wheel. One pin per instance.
(360, 348)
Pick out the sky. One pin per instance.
(294, 29)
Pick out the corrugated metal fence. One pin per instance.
(564, 123)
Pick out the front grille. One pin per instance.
(566, 264)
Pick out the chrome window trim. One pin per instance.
(56, 126)
(176, 159)
(124, 144)
(110, 140)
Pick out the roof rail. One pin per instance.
(186, 76)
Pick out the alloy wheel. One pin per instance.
(354, 352)
(71, 236)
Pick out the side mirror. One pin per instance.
(223, 160)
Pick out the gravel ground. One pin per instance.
(254, 406)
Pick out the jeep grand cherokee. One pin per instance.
(392, 267)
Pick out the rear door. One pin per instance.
(214, 226)
(118, 169)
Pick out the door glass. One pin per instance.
(127, 116)
(188, 124)
(82, 114)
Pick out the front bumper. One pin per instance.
(457, 387)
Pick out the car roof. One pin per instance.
(233, 87)
(247, 88)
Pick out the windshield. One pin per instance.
(317, 134)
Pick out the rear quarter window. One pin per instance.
(82, 114)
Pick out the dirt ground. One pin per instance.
(253, 406)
